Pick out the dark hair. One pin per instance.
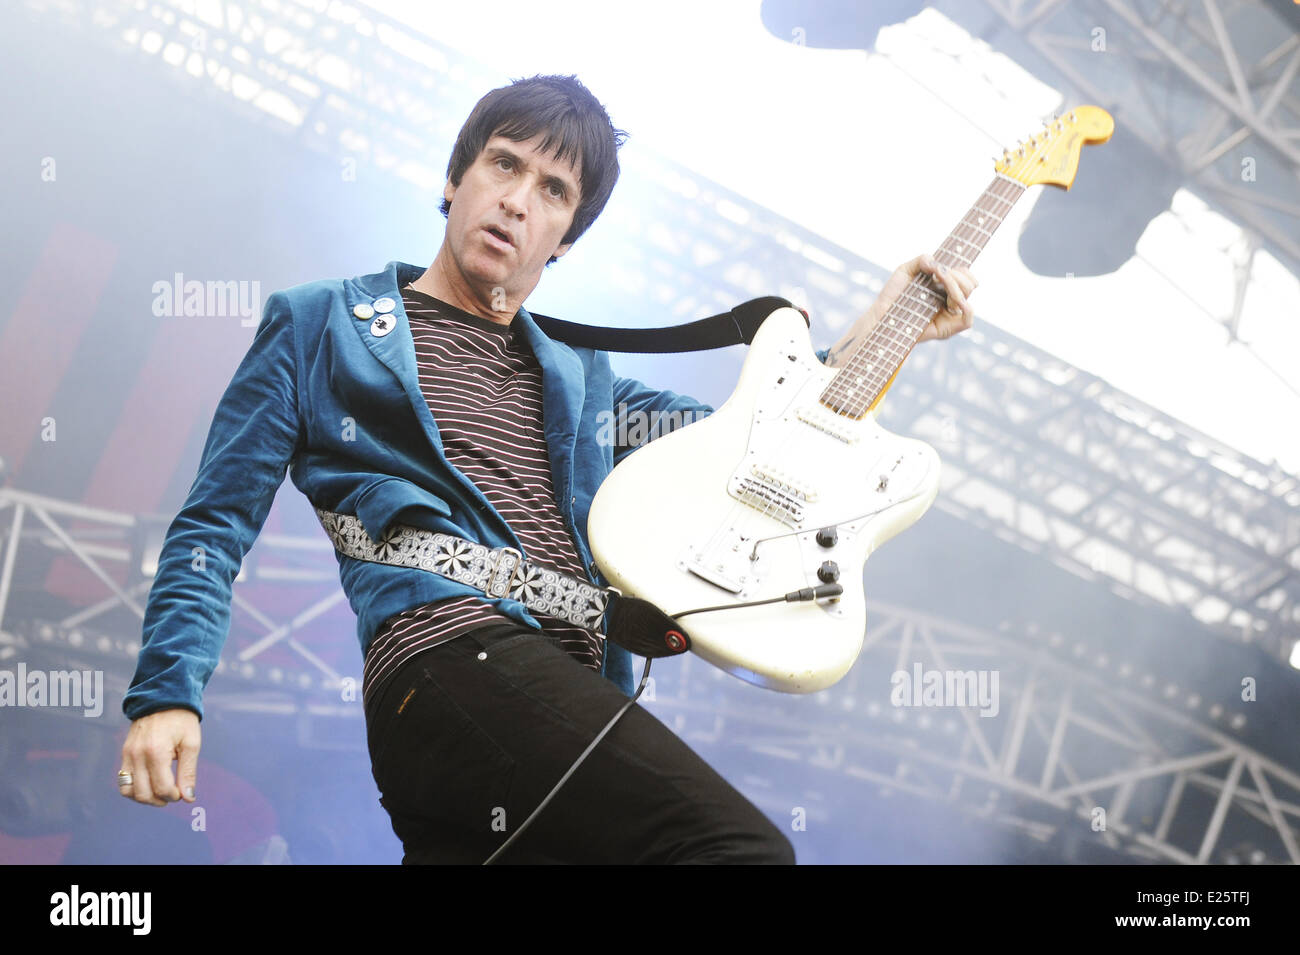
(577, 129)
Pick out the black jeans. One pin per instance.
(467, 738)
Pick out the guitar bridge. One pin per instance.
(716, 576)
(724, 560)
(782, 481)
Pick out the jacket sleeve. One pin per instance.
(255, 432)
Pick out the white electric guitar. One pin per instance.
(791, 484)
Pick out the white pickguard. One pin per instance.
(727, 509)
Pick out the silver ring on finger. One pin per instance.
(125, 779)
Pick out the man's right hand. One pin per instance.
(152, 743)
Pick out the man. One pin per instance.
(415, 403)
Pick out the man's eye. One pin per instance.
(558, 191)
(502, 159)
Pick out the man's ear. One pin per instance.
(558, 253)
(448, 191)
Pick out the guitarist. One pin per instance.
(475, 706)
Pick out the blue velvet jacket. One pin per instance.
(339, 406)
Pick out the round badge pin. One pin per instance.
(384, 304)
(382, 325)
(363, 311)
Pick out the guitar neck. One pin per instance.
(865, 376)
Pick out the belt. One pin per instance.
(496, 571)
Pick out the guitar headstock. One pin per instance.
(1051, 157)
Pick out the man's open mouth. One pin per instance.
(500, 235)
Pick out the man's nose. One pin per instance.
(514, 201)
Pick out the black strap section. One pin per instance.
(736, 327)
(641, 627)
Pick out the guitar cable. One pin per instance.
(794, 596)
(805, 593)
(645, 676)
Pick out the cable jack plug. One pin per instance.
(815, 593)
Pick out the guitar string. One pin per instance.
(794, 438)
(743, 514)
(1004, 190)
(948, 254)
(891, 343)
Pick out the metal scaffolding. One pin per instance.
(1068, 467)
(120, 550)
(1085, 747)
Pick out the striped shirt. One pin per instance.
(483, 386)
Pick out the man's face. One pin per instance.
(526, 195)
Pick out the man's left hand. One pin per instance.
(958, 284)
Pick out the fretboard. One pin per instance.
(861, 379)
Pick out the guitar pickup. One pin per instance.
(770, 500)
(834, 425)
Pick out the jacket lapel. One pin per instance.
(396, 350)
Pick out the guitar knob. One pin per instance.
(828, 572)
(827, 536)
